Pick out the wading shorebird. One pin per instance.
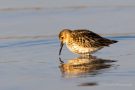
(83, 41)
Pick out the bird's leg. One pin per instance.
(88, 55)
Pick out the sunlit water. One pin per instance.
(29, 45)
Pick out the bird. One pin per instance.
(83, 41)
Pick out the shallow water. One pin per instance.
(29, 45)
(34, 64)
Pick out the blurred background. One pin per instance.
(48, 17)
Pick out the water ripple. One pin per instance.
(28, 43)
(122, 37)
(37, 8)
(23, 41)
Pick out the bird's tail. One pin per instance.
(113, 41)
(107, 42)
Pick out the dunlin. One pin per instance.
(83, 41)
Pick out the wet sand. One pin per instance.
(29, 46)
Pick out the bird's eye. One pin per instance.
(62, 37)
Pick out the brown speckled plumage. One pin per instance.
(83, 41)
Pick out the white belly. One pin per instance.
(81, 50)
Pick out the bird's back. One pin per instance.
(90, 39)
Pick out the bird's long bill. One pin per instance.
(61, 45)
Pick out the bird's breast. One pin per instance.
(75, 48)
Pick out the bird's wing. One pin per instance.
(89, 38)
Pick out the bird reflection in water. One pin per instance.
(83, 66)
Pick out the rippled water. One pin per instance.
(34, 64)
(29, 45)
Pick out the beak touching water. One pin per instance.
(61, 45)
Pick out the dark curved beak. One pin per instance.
(61, 45)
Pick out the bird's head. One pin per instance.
(64, 37)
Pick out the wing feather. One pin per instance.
(89, 39)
